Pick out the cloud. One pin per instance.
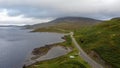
(20, 19)
(50, 9)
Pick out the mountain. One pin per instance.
(75, 20)
(69, 20)
(64, 24)
(103, 39)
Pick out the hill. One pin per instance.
(65, 23)
(104, 39)
(74, 20)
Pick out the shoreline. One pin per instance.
(46, 52)
(39, 52)
(68, 54)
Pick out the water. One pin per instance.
(16, 44)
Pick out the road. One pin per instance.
(83, 54)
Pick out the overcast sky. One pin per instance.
(37, 11)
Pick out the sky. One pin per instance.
(20, 12)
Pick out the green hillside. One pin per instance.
(65, 24)
(103, 38)
(61, 27)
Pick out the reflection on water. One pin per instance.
(16, 44)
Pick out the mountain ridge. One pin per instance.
(73, 20)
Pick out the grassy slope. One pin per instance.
(63, 61)
(61, 27)
(103, 38)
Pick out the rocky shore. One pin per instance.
(45, 53)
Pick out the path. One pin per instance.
(83, 54)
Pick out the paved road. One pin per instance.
(84, 55)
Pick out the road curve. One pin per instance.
(83, 54)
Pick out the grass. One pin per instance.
(64, 61)
(68, 41)
(104, 38)
(61, 27)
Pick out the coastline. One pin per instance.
(47, 52)
(40, 53)
(56, 55)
